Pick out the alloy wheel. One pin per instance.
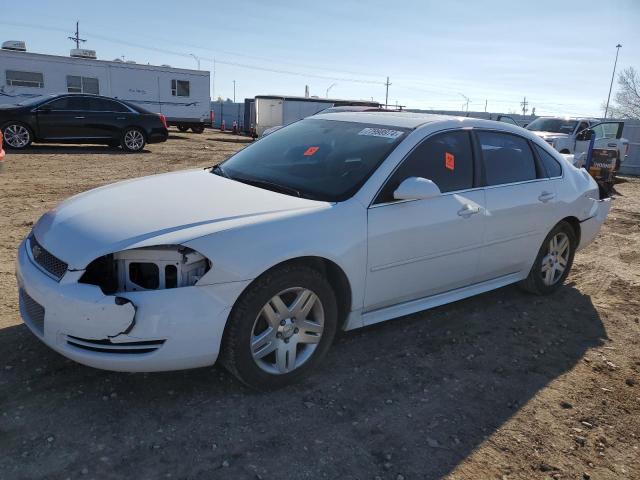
(17, 136)
(287, 330)
(134, 140)
(555, 262)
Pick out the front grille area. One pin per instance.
(107, 346)
(46, 260)
(32, 311)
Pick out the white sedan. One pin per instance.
(338, 221)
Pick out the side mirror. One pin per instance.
(584, 135)
(44, 110)
(416, 188)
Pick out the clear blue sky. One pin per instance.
(559, 54)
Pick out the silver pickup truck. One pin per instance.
(572, 136)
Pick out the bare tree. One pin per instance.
(627, 100)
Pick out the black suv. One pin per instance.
(80, 118)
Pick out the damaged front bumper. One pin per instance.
(135, 331)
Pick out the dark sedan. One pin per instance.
(79, 118)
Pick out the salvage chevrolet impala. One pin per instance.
(337, 221)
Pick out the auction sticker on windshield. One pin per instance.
(380, 132)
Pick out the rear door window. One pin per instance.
(506, 158)
(104, 105)
(445, 158)
(551, 165)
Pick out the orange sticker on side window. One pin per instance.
(310, 151)
(449, 161)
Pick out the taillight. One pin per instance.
(163, 119)
(626, 149)
(211, 117)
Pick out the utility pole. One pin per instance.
(213, 81)
(467, 102)
(76, 38)
(234, 91)
(326, 93)
(524, 104)
(606, 110)
(197, 60)
(386, 96)
(485, 105)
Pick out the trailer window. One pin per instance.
(180, 88)
(77, 84)
(25, 79)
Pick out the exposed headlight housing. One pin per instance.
(150, 268)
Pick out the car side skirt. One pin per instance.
(413, 306)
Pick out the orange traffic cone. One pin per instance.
(222, 126)
(235, 127)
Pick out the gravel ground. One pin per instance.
(501, 386)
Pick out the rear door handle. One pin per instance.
(120, 118)
(546, 196)
(468, 210)
(79, 118)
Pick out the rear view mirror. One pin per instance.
(416, 188)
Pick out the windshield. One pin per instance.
(325, 160)
(555, 125)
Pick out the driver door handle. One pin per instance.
(468, 210)
(546, 196)
(79, 118)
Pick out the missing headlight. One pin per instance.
(151, 268)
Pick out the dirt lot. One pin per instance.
(501, 386)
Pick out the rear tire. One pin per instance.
(183, 128)
(270, 340)
(197, 129)
(17, 136)
(133, 140)
(553, 262)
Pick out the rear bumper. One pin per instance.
(154, 331)
(590, 227)
(158, 135)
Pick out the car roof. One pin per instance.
(389, 119)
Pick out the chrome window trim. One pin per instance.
(130, 110)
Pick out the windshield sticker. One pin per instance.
(310, 151)
(449, 161)
(380, 132)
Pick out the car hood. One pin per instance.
(550, 135)
(158, 210)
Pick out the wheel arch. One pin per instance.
(32, 130)
(575, 224)
(334, 274)
(137, 127)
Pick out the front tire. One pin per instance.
(183, 128)
(553, 262)
(133, 140)
(17, 136)
(197, 129)
(281, 328)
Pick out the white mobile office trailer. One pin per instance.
(275, 111)
(181, 95)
